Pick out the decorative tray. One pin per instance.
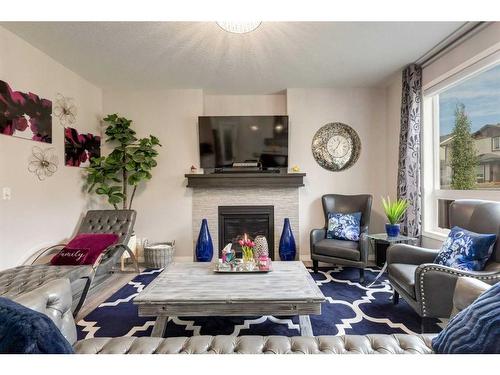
(239, 267)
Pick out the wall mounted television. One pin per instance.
(225, 140)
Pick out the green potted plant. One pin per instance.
(394, 212)
(128, 165)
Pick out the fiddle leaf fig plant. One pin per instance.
(128, 165)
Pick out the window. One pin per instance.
(495, 143)
(461, 141)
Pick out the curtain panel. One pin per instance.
(409, 167)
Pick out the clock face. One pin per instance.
(336, 146)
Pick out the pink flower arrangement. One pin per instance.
(247, 246)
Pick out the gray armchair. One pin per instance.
(22, 279)
(347, 253)
(428, 287)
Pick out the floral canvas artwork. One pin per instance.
(80, 148)
(25, 115)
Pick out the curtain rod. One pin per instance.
(459, 36)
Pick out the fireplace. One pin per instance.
(234, 221)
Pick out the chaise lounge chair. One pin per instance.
(22, 279)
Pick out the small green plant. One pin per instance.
(129, 164)
(394, 210)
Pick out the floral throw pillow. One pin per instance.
(344, 226)
(466, 250)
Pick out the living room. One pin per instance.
(258, 187)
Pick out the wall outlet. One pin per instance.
(6, 193)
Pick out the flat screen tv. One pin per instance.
(225, 140)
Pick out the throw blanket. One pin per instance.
(25, 331)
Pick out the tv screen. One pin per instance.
(225, 140)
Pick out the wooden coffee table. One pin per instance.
(193, 289)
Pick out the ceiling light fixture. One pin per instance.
(238, 27)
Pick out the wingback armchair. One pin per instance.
(347, 253)
(428, 287)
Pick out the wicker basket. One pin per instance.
(158, 255)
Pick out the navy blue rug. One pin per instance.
(350, 308)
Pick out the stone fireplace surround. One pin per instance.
(206, 202)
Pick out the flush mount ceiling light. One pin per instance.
(238, 27)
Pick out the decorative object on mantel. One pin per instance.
(336, 146)
(80, 148)
(395, 212)
(158, 255)
(43, 162)
(204, 245)
(193, 169)
(65, 110)
(261, 247)
(295, 169)
(287, 249)
(129, 164)
(25, 115)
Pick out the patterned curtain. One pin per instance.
(409, 150)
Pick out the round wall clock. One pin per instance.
(336, 146)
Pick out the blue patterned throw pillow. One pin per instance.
(344, 226)
(474, 330)
(466, 250)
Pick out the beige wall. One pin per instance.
(244, 105)
(393, 124)
(164, 203)
(365, 111)
(40, 212)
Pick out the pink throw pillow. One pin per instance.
(84, 249)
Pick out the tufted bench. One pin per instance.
(368, 344)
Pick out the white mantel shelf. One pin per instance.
(232, 180)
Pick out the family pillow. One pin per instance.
(84, 249)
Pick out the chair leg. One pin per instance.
(395, 297)
(82, 297)
(361, 275)
(315, 266)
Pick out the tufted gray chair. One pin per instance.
(18, 280)
(348, 253)
(428, 287)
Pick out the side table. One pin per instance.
(380, 242)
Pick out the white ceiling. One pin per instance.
(276, 56)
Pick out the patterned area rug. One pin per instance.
(350, 308)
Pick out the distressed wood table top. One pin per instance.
(193, 283)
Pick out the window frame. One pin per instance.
(431, 187)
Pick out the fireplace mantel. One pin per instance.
(232, 180)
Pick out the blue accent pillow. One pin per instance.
(475, 329)
(466, 250)
(26, 331)
(344, 226)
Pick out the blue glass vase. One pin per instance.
(204, 246)
(287, 248)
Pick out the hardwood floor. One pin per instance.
(103, 291)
